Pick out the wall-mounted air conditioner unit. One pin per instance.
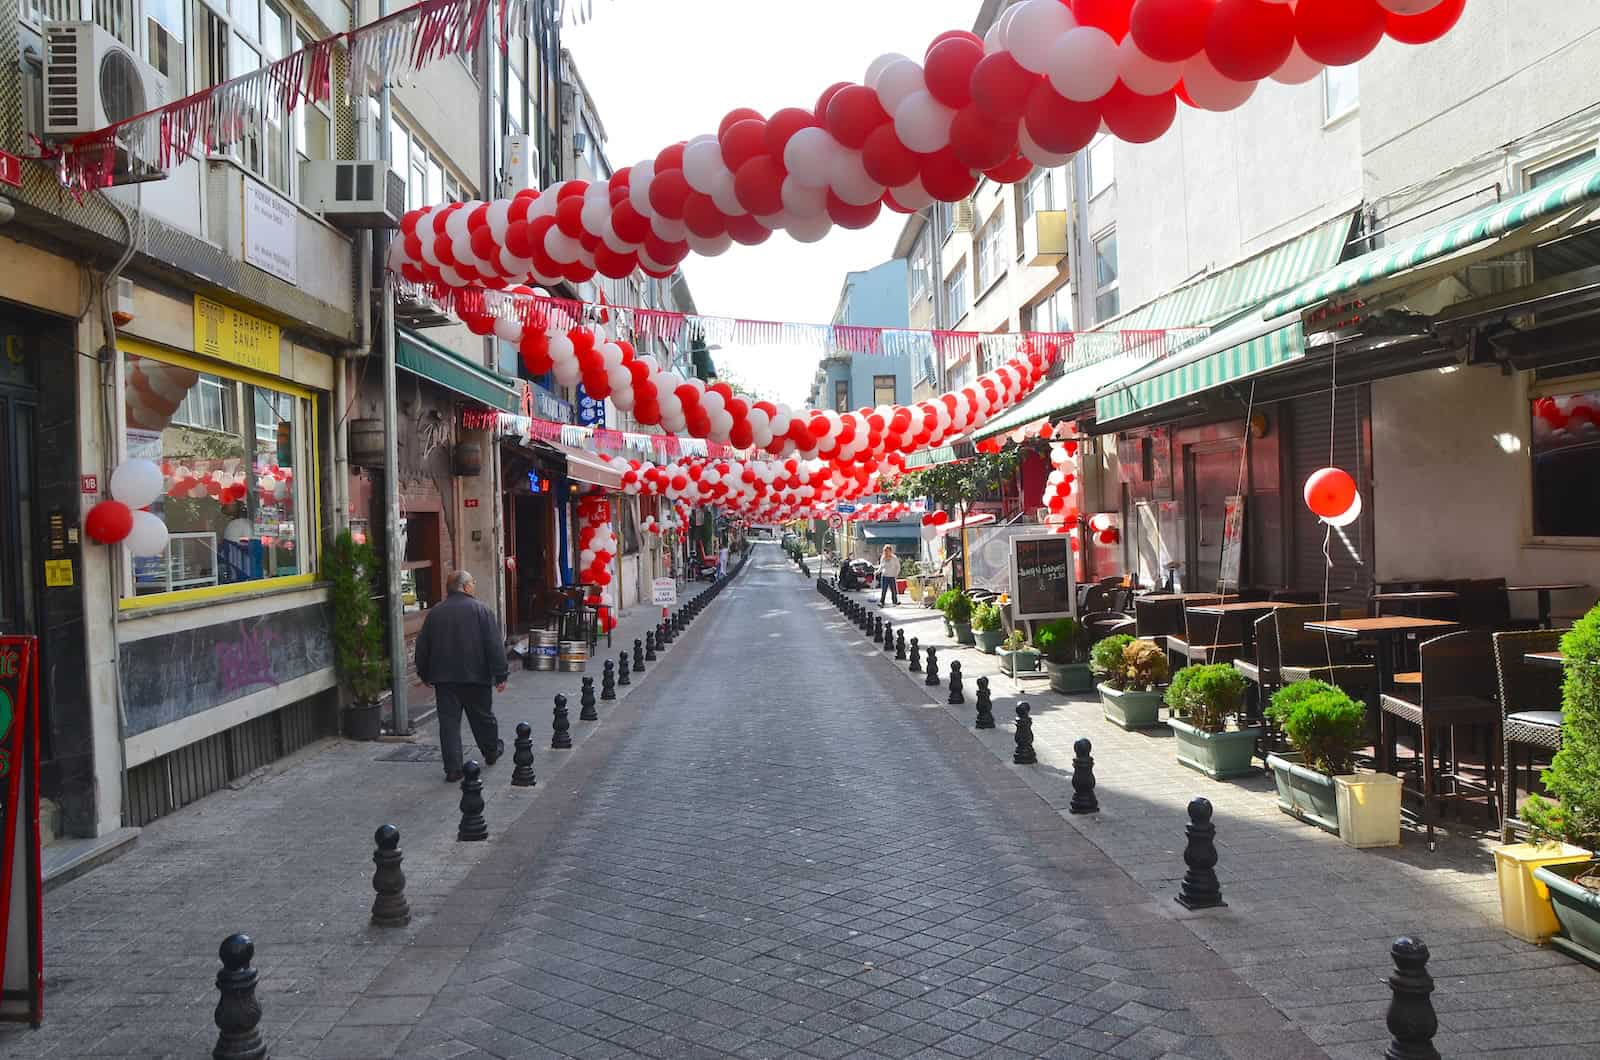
(580, 143)
(92, 80)
(360, 194)
(964, 217)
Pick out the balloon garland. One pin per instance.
(1036, 88)
(135, 484)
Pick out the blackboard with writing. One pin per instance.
(1041, 577)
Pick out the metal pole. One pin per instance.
(391, 460)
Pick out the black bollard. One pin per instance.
(638, 655)
(560, 726)
(608, 681)
(1200, 889)
(1024, 754)
(389, 908)
(1083, 797)
(238, 1013)
(649, 647)
(586, 701)
(888, 636)
(473, 827)
(956, 698)
(1411, 1019)
(623, 669)
(985, 705)
(877, 628)
(932, 680)
(522, 757)
(916, 657)
(900, 644)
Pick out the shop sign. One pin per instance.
(1042, 577)
(470, 502)
(21, 883)
(269, 232)
(540, 404)
(228, 335)
(10, 169)
(591, 410)
(479, 419)
(664, 592)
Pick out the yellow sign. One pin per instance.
(58, 573)
(228, 335)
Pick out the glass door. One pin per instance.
(1212, 472)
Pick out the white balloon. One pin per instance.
(1034, 153)
(1409, 7)
(455, 226)
(897, 81)
(1210, 90)
(709, 248)
(1349, 516)
(801, 200)
(561, 246)
(498, 218)
(508, 330)
(671, 231)
(561, 348)
(639, 178)
(851, 183)
(1001, 31)
(1143, 74)
(702, 159)
(809, 229)
(1298, 68)
(876, 68)
(723, 193)
(148, 536)
(809, 156)
(1083, 64)
(567, 372)
(596, 215)
(137, 482)
(1034, 31)
(923, 123)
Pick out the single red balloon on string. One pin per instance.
(1330, 491)
(110, 521)
(1426, 27)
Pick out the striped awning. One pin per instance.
(1236, 352)
(960, 449)
(1226, 293)
(429, 360)
(1580, 186)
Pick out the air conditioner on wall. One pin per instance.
(964, 217)
(92, 80)
(358, 194)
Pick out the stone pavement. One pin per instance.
(1309, 919)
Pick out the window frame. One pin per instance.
(308, 450)
(1109, 143)
(841, 395)
(1101, 290)
(878, 387)
(1533, 391)
(921, 265)
(955, 279)
(990, 259)
(1329, 73)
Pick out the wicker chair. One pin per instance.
(1159, 620)
(1530, 702)
(1458, 686)
(1265, 676)
(1210, 638)
(1098, 598)
(1098, 625)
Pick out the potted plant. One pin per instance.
(958, 616)
(911, 573)
(1016, 657)
(1062, 643)
(943, 602)
(358, 650)
(1130, 673)
(1318, 782)
(1204, 702)
(1574, 779)
(986, 627)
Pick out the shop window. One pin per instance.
(421, 579)
(841, 395)
(1566, 464)
(883, 390)
(238, 476)
(628, 526)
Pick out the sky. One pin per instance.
(660, 72)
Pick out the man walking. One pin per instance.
(460, 653)
(888, 575)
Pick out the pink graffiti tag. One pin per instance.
(247, 661)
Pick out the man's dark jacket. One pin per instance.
(460, 644)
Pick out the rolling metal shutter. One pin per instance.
(1350, 548)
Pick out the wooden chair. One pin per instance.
(1530, 707)
(1265, 676)
(1457, 690)
(1210, 638)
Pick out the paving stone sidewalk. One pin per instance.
(1309, 919)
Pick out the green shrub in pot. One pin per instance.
(1326, 726)
(1062, 642)
(1105, 659)
(943, 602)
(1131, 677)
(986, 627)
(1015, 655)
(958, 616)
(1204, 701)
(1323, 723)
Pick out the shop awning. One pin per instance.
(426, 358)
(1245, 348)
(961, 449)
(586, 467)
(890, 531)
(1579, 187)
(981, 519)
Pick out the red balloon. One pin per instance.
(1012, 171)
(701, 215)
(568, 190)
(670, 158)
(1170, 31)
(847, 216)
(1109, 15)
(747, 231)
(1000, 86)
(742, 141)
(535, 350)
(663, 253)
(979, 141)
(733, 117)
(758, 185)
(569, 216)
(110, 521)
(887, 160)
(630, 225)
(782, 126)
(940, 518)
(951, 34)
(519, 239)
(668, 192)
(1139, 119)
(1428, 26)
(1247, 40)
(821, 111)
(948, 71)
(484, 246)
(616, 266)
(1338, 32)
(946, 177)
(1059, 125)
(853, 112)
(1330, 492)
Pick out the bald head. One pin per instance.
(460, 582)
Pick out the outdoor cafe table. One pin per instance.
(1169, 598)
(1384, 631)
(1548, 659)
(1544, 592)
(1415, 598)
(1249, 610)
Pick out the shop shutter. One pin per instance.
(1350, 548)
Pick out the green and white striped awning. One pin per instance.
(942, 454)
(1572, 189)
(428, 359)
(1229, 355)
(1224, 294)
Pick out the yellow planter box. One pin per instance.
(1524, 901)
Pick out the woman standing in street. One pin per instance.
(888, 575)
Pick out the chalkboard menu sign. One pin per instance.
(21, 891)
(1041, 577)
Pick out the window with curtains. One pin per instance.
(239, 474)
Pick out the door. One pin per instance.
(1214, 473)
(17, 599)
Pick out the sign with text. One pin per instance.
(1232, 542)
(228, 335)
(1041, 577)
(591, 410)
(664, 592)
(21, 883)
(10, 169)
(269, 232)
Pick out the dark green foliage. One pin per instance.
(1574, 773)
(1323, 723)
(358, 648)
(1206, 696)
(1061, 640)
(986, 618)
(1105, 658)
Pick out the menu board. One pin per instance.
(1041, 577)
(21, 893)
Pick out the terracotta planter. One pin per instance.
(1069, 678)
(1130, 710)
(1525, 908)
(1305, 793)
(1577, 908)
(1219, 755)
(988, 639)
